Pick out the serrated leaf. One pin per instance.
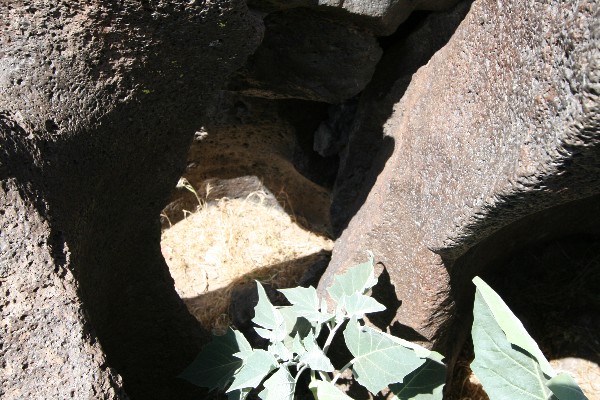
(323, 390)
(564, 388)
(305, 303)
(513, 328)
(216, 364)
(280, 386)
(239, 394)
(254, 369)
(424, 383)
(268, 317)
(505, 371)
(378, 360)
(314, 357)
(356, 279)
(358, 305)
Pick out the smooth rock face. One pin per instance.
(307, 56)
(495, 144)
(382, 17)
(98, 104)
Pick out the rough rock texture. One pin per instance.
(253, 144)
(380, 16)
(366, 148)
(495, 145)
(98, 104)
(307, 56)
(46, 347)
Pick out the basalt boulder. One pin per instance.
(494, 147)
(98, 104)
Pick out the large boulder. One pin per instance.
(98, 104)
(366, 149)
(305, 55)
(382, 17)
(494, 146)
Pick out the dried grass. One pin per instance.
(231, 241)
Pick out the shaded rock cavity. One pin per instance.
(305, 55)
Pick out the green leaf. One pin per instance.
(297, 346)
(254, 369)
(238, 394)
(268, 317)
(323, 390)
(564, 388)
(314, 357)
(424, 383)
(378, 360)
(216, 364)
(295, 325)
(358, 305)
(356, 280)
(505, 371)
(305, 303)
(280, 386)
(513, 328)
(419, 350)
(280, 351)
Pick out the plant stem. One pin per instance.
(345, 367)
(332, 332)
(324, 376)
(300, 371)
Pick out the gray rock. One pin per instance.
(98, 104)
(494, 146)
(380, 16)
(307, 56)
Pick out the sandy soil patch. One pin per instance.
(232, 241)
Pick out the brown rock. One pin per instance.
(495, 146)
(98, 104)
(254, 144)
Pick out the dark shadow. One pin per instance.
(546, 267)
(385, 293)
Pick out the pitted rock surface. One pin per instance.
(252, 144)
(367, 148)
(495, 138)
(98, 104)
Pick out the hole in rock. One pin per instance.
(243, 211)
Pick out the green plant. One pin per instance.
(508, 362)
(379, 360)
